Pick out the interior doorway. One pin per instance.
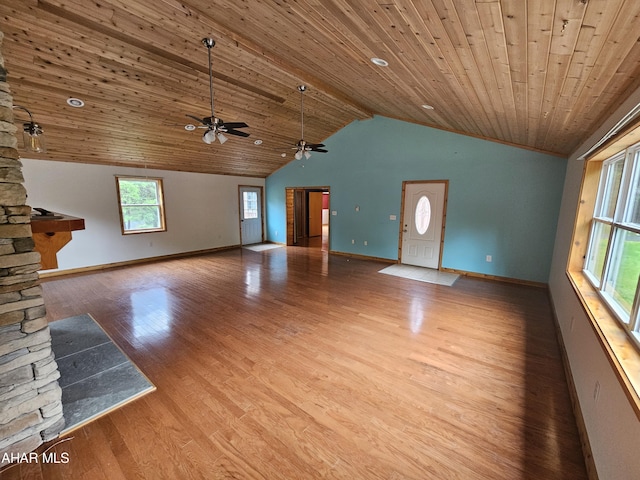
(308, 217)
(424, 206)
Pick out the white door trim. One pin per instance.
(242, 188)
(442, 211)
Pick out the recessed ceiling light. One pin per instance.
(257, 142)
(427, 107)
(380, 62)
(189, 127)
(75, 102)
(283, 155)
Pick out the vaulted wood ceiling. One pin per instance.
(536, 73)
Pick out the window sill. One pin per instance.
(620, 349)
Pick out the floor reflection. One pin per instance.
(151, 313)
(252, 280)
(416, 314)
(320, 241)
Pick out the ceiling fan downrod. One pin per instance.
(302, 89)
(210, 43)
(216, 128)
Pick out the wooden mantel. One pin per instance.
(51, 233)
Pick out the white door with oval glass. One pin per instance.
(422, 223)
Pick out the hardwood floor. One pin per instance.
(319, 241)
(293, 364)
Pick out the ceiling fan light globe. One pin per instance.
(209, 137)
(307, 155)
(222, 138)
(298, 155)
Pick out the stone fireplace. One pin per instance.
(30, 397)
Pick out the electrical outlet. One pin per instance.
(489, 258)
(365, 243)
(353, 242)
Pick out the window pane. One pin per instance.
(138, 192)
(609, 188)
(623, 270)
(632, 215)
(141, 217)
(597, 249)
(250, 204)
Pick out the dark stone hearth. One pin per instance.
(95, 376)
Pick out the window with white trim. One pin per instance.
(141, 204)
(612, 263)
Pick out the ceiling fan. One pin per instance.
(216, 127)
(303, 147)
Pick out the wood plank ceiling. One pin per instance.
(536, 73)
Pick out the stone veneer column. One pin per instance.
(30, 397)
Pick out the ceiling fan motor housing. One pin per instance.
(209, 42)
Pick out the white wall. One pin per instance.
(201, 211)
(612, 425)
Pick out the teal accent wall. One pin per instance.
(503, 200)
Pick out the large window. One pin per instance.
(141, 205)
(612, 263)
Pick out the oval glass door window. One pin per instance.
(423, 214)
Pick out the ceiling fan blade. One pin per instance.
(239, 133)
(199, 120)
(315, 145)
(235, 125)
(321, 150)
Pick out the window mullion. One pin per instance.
(633, 317)
(607, 257)
(625, 226)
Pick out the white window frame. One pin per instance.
(618, 223)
